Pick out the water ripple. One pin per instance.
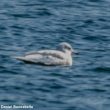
(27, 25)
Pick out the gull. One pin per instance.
(61, 56)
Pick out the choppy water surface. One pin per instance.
(27, 25)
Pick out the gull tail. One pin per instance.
(20, 58)
(24, 60)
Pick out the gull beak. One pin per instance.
(72, 51)
(75, 52)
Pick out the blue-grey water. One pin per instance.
(28, 25)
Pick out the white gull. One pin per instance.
(61, 56)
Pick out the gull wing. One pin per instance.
(46, 57)
(53, 53)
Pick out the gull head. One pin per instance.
(65, 47)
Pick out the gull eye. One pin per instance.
(69, 48)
